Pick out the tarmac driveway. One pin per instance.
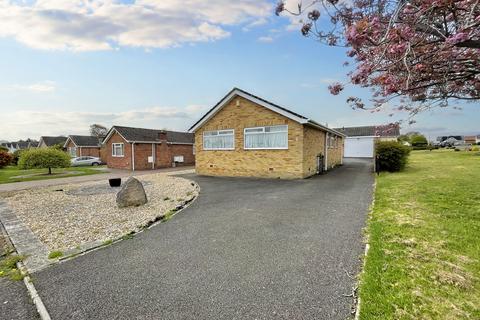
(245, 249)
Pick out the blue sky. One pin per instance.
(160, 71)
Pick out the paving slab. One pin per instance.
(25, 242)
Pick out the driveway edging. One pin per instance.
(32, 291)
(367, 248)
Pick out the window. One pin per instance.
(72, 151)
(218, 140)
(117, 150)
(273, 137)
(332, 141)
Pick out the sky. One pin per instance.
(162, 63)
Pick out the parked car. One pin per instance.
(86, 161)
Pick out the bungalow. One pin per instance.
(360, 141)
(142, 149)
(470, 139)
(46, 141)
(245, 135)
(19, 145)
(81, 146)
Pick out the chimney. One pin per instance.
(162, 135)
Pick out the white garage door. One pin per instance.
(359, 147)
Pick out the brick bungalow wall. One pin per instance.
(164, 154)
(298, 161)
(314, 144)
(84, 151)
(124, 162)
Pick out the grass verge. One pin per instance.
(14, 174)
(8, 267)
(424, 235)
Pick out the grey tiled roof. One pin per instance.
(253, 96)
(303, 119)
(51, 141)
(152, 135)
(85, 141)
(389, 130)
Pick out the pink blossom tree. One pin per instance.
(417, 54)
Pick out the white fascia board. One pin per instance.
(239, 93)
(359, 137)
(317, 125)
(66, 142)
(110, 135)
(186, 143)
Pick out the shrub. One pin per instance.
(44, 158)
(421, 147)
(392, 156)
(5, 158)
(3, 148)
(16, 156)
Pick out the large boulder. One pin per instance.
(132, 194)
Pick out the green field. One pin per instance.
(424, 235)
(14, 174)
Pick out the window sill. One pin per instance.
(265, 148)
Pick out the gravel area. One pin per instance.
(63, 217)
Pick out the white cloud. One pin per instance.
(265, 39)
(90, 25)
(33, 124)
(39, 87)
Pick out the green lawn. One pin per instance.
(14, 174)
(424, 235)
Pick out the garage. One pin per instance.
(359, 147)
(360, 141)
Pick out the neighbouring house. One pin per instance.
(81, 146)
(245, 135)
(360, 141)
(142, 149)
(19, 145)
(47, 141)
(477, 139)
(450, 141)
(470, 139)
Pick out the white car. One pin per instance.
(85, 161)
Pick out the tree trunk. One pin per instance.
(49, 170)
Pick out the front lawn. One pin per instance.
(14, 174)
(424, 235)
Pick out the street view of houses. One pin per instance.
(248, 159)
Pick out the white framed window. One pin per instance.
(219, 140)
(72, 151)
(331, 141)
(118, 150)
(271, 137)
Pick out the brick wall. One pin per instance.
(92, 152)
(103, 153)
(70, 144)
(163, 152)
(335, 155)
(240, 162)
(314, 144)
(124, 162)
